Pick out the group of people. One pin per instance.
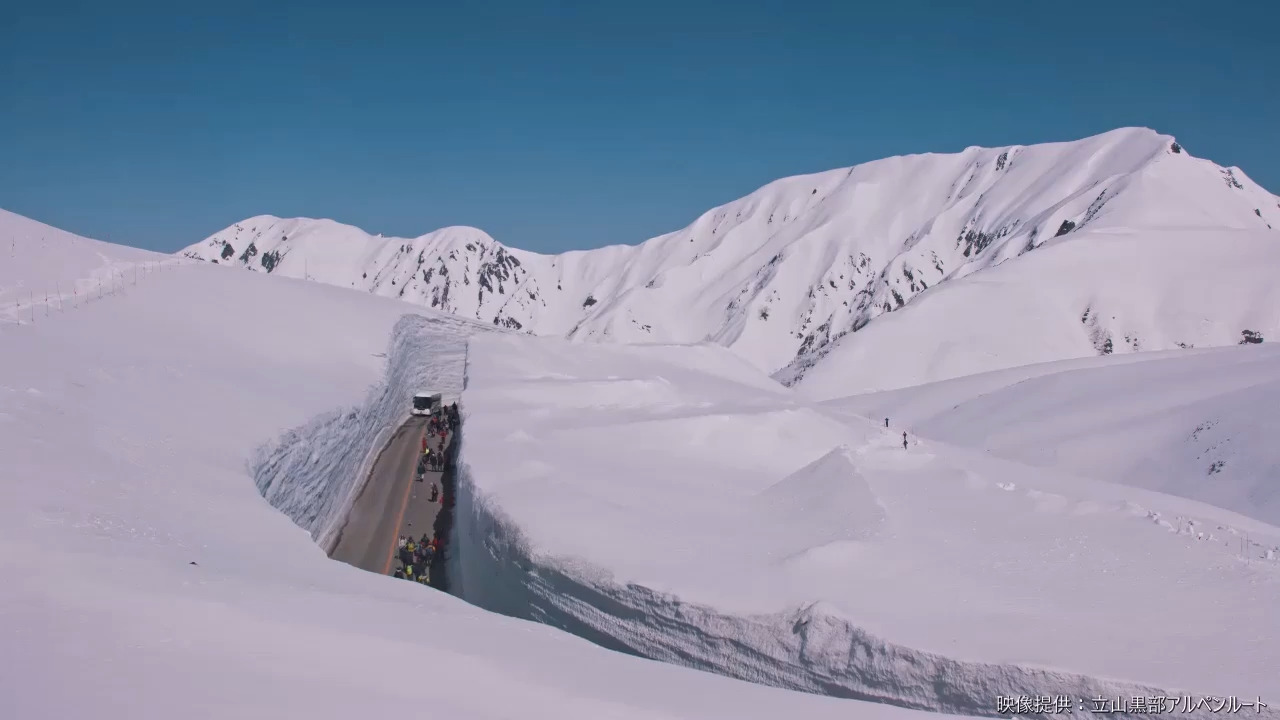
(904, 434)
(446, 418)
(441, 423)
(415, 558)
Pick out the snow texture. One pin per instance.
(1155, 248)
(45, 270)
(1192, 423)
(670, 502)
(145, 577)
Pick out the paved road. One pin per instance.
(391, 504)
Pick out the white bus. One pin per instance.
(425, 403)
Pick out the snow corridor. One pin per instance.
(313, 475)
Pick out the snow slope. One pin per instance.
(672, 502)
(45, 270)
(1199, 424)
(1102, 293)
(145, 577)
(780, 275)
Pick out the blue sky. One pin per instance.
(560, 125)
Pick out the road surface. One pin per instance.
(392, 503)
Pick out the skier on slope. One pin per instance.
(904, 439)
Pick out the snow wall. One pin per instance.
(810, 648)
(313, 473)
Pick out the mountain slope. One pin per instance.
(782, 273)
(1104, 292)
(1193, 423)
(44, 270)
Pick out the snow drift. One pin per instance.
(714, 520)
(1152, 247)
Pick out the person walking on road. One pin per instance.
(886, 422)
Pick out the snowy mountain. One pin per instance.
(791, 271)
(670, 501)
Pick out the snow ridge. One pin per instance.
(46, 270)
(781, 275)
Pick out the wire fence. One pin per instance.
(31, 304)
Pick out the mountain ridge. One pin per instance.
(786, 272)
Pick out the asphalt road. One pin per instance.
(392, 503)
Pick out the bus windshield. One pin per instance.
(422, 402)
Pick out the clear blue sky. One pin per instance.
(558, 125)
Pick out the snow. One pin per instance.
(46, 270)
(1165, 248)
(675, 450)
(1108, 291)
(665, 501)
(1196, 424)
(146, 577)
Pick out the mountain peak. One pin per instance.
(785, 273)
